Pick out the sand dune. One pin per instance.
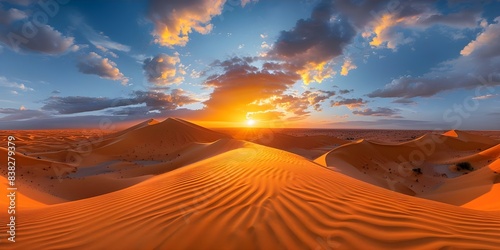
(181, 186)
(309, 146)
(477, 190)
(413, 167)
(471, 138)
(255, 198)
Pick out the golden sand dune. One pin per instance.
(156, 139)
(309, 146)
(118, 162)
(413, 167)
(254, 197)
(181, 186)
(478, 190)
(471, 138)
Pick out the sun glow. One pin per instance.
(250, 122)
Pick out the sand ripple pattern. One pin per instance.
(254, 197)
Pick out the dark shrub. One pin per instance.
(464, 166)
(417, 170)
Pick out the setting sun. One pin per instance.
(250, 122)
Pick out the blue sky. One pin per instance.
(315, 63)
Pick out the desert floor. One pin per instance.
(175, 185)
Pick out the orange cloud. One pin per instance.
(383, 30)
(316, 72)
(175, 19)
(347, 66)
(243, 89)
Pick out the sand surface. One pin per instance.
(175, 185)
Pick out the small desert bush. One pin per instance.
(464, 166)
(417, 170)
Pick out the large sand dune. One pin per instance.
(414, 167)
(224, 193)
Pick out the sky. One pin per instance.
(376, 64)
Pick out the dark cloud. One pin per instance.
(153, 101)
(345, 91)
(349, 102)
(466, 18)
(56, 92)
(20, 31)
(164, 70)
(404, 101)
(11, 15)
(20, 114)
(313, 42)
(94, 64)
(378, 112)
(44, 39)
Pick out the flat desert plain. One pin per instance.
(175, 185)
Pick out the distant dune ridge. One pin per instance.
(176, 185)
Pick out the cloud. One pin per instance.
(20, 114)
(163, 70)
(265, 45)
(476, 66)
(20, 2)
(45, 40)
(248, 92)
(268, 115)
(56, 92)
(486, 44)
(300, 104)
(101, 41)
(152, 99)
(19, 33)
(388, 112)
(11, 15)
(94, 64)
(314, 42)
(404, 101)
(242, 88)
(312, 47)
(345, 91)
(174, 20)
(347, 66)
(245, 2)
(350, 103)
(383, 22)
(484, 97)
(4, 82)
